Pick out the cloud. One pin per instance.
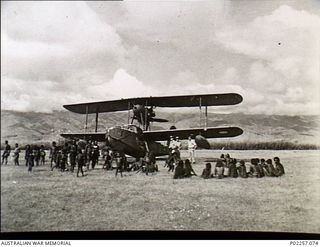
(55, 53)
(122, 85)
(284, 48)
(64, 44)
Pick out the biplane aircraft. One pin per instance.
(137, 139)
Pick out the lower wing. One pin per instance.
(94, 136)
(164, 135)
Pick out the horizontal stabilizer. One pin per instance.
(164, 135)
(163, 101)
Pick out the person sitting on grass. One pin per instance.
(206, 173)
(188, 169)
(279, 169)
(260, 168)
(269, 168)
(233, 169)
(253, 168)
(242, 170)
(179, 172)
(219, 170)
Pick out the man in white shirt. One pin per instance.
(191, 149)
(178, 147)
(172, 144)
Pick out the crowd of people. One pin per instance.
(231, 167)
(74, 154)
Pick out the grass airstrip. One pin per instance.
(55, 201)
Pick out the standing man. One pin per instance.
(53, 154)
(95, 154)
(16, 153)
(120, 163)
(6, 153)
(73, 155)
(64, 158)
(42, 155)
(178, 147)
(36, 154)
(87, 154)
(191, 149)
(30, 161)
(27, 154)
(80, 161)
(172, 146)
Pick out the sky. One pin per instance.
(55, 53)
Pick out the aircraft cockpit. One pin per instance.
(134, 129)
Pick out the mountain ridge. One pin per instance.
(33, 127)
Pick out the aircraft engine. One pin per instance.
(137, 109)
(140, 112)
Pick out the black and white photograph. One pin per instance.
(160, 116)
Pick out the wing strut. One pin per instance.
(86, 125)
(200, 104)
(206, 118)
(97, 114)
(129, 112)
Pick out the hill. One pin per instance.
(31, 127)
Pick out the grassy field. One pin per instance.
(55, 201)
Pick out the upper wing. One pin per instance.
(165, 101)
(164, 135)
(94, 136)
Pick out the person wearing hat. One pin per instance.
(191, 149)
(172, 143)
(170, 160)
(279, 169)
